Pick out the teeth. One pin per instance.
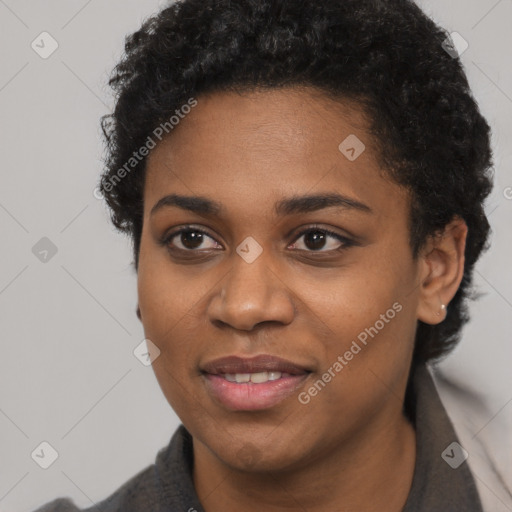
(256, 378)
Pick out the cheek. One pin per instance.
(365, 360)
(164, 316)
(166, 293)
(369, 310)
(353, 298)
(165, 303)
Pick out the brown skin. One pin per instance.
(294, 301)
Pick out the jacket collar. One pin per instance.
(442, 481)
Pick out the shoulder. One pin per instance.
(485, 436)
(138, 493)
(59, 505)
(146, 490)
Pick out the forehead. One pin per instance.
(290, 139)
(290, 120)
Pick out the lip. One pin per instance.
(250, 396)
(260, 363)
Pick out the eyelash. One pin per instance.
(346, 242)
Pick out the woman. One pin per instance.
(303, 183)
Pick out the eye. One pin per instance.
(189, 239)
(318, 238)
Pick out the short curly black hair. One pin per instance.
(386, 55)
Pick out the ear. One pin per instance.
(441, 271)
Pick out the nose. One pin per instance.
(250, 294)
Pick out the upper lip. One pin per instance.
(257, 364)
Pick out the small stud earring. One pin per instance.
(443, 307)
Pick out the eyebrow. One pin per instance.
(289, 206)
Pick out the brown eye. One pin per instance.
(190, 239)
(316, 239)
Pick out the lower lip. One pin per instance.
(252, 397)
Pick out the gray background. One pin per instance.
(67, 372)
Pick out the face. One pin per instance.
(297, 249)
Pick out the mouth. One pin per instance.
(249, 384)
(235, 365)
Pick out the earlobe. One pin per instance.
(443, 268)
